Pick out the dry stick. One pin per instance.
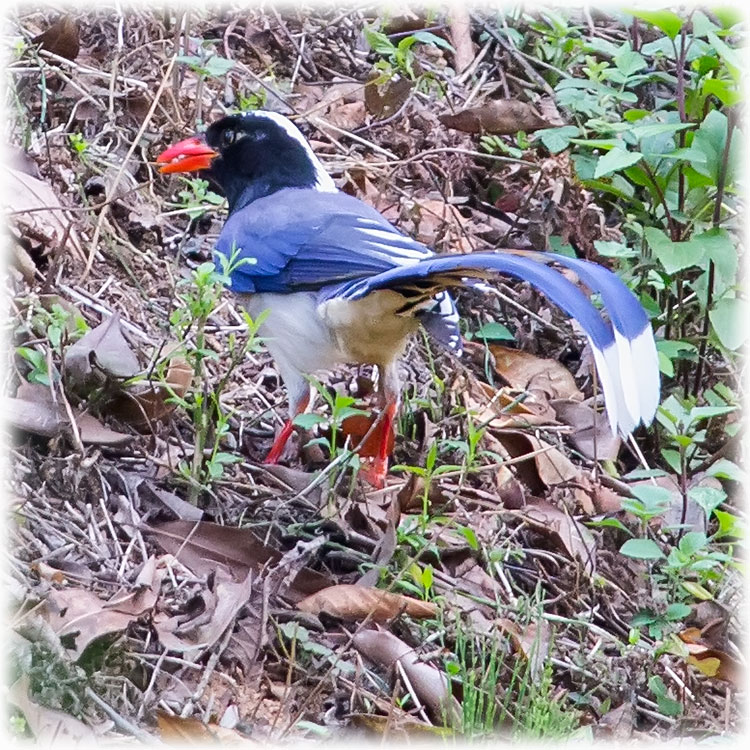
(121, 171)
(121, 722)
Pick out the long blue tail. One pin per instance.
(624, 348)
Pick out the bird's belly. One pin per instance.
(307, 337)
(293, 331)
(368, 330)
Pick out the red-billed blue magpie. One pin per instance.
(342, 285)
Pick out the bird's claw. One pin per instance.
(374, 472)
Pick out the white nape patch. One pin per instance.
(607, 367)
(643, 350)
(324, 182)
(628, 376)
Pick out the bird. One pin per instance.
(339, 284)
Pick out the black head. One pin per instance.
(250, 156)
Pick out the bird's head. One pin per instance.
(249, 156)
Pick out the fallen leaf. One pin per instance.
(84, 617)
(227, 600)
(430, 684)
(353, 602)
(103, 351)
(575, 538)
(591, 434)
(528, 372)
(143, 403)
(61, 38)
(619, 723)
(551, 466)
(176, 730)
(202, 545)
(385, 99)
(48, 725)
(532, 642)
(348, 116)
(497, 116)
(33, 411)
(36, 211)
(712, 662)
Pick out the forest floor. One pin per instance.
(164, 581)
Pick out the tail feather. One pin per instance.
(624, 350)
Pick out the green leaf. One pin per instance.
(727, 94)
(493, 331)
(658, 128)
(378, 41)
(218, 66)
(696, 590)
(674, 256)
(692, 542)
(629, 62)
(667, 705)
(670, 23)
(609, 523)
(470, 537)
(308, 421)
(618, 158)
(710, 139)
(729, 525)
(729, 318)
(642, 549)
(427, 37)
(610, 249)
(726, 469)
(557, 139)
(677, 611)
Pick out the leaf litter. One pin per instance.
(180, 611)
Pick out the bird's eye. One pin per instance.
(228, 137)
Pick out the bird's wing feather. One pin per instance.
(299, 240)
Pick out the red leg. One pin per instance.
(375, 472)
(286, 431)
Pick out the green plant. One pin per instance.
(400, 58)
(206, 64)
(196, 196)
(198, 296)
(79, 145)
(341, 407)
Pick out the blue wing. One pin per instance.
(302, 240)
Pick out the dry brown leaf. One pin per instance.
(528, 372)
(37, 212)
(353, 602)
(712, 662)
(61, 38)
(398, 727)
(84, 617)
(430, 684)
(385, 99)
(174, 730)
(551, 466)
(33, 411)
(591, 434)
(142, 404)
(226, 601)
(532, 642)
(102, 352)
(347, 116)
(435, 219)
(498, 116)
(575, 538)
(48, 725)
(619, 722)
(201, 546)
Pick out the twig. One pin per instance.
(123, 165)
(121, 722)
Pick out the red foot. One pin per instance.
(374, 472)
(278, 445)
